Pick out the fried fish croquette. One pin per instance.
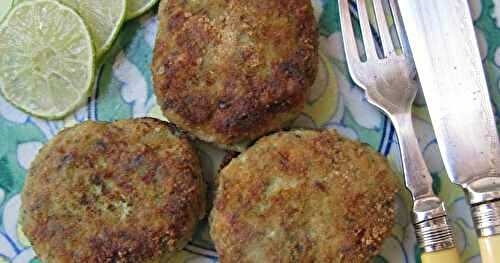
(303, 196)
(127, 191)
(232, 71)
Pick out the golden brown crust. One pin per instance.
(303, 196)
(127, 191)
(229, 71)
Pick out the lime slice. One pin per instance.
(46, 58)
(16, 2)
(103, 17)
(138, 7)
(4, 8)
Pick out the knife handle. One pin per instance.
(490, 248)
(449, 255)
(486, 217)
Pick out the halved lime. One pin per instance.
(138, 7)
(46, 58)
(4, 8)
(103, 17)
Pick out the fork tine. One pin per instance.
(383, 28)
(350, 47)
(403, 41)
(366, 32)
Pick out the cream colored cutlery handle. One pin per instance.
(448, 255)
(490, 249)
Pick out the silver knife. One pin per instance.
(442, 39)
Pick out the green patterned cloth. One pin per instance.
(124, 90)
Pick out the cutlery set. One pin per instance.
(438, 41)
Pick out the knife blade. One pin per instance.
(442, 39)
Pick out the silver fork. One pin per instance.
(389, 85)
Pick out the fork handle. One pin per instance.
(417, 176)
(449, 255)
(433, 235)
